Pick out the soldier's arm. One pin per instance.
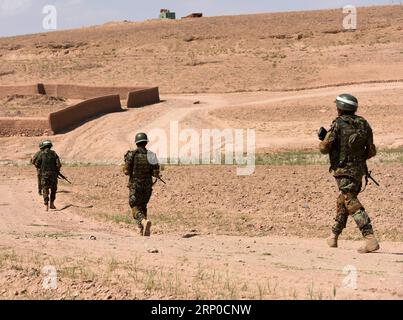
(38, 161)
(155, 166)
(326, 145)
(35, 158)
(58, 163)
(370, 147)
(128, 163)
(155, 170)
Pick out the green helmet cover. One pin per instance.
(46, 143)
(141, 137)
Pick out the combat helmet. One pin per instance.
(141, 137)
(347, 102)
(46, 144)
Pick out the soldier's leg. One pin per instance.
(45, 193)
(146, 195)
(341, 221)
(39, 184)
(341, 216)
(139, 213)
(139, 196)
(146, 224)
(45, 189)
(53, 190)
(138, 216)
(357, 211)
(363, 222)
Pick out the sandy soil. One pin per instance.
(216, 54)
(189, 261)
(37, 106)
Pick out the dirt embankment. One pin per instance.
(283, 121)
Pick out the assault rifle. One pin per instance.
(61, 176)
(159, 178)
(368, 176)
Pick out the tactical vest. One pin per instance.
(49, 161)
(141, 167)
(351, 140)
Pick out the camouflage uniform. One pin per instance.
(38, 171)
(141, 165)
(349, 144)
(49, 166)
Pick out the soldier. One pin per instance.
(349, 144)
(141, 165)
(49, 165)
(38, 171)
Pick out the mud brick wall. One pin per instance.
(102, 100)
(86, 92)
(140, 98)
(62, 120)
(23, 90)
(23, 127)
(136, 96)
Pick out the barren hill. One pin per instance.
(216, 54)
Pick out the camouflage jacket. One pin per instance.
(47, 162)
(349, 144)
(35, 158)
(140, 164)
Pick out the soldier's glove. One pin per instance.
(156, 173)
(322, 133)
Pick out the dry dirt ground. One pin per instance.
(227, 238)
(37, 106)
(216, 234)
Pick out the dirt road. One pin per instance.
(120, 264)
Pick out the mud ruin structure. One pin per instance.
(97, 101)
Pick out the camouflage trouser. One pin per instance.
(39, 181)
(49, 183)
(348, 204)
(139, 196)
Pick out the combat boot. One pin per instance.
(332, 240)
(47, 206)
(146, 224)
(371, 244)
(52, 205)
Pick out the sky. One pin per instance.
(19, 17)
